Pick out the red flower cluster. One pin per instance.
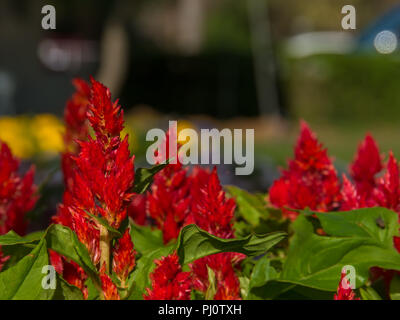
(102, 175)
(210, 209)
(366, 165)
(168, 202)
(344, 292)
(123, 257)
(224, 266)
(168, 280)
(17, 195)
(310, 181)
(212, 212)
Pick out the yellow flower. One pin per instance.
(15, 132)
(48, 132)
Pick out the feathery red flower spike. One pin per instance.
(103, 174)
(310, 180)
(17, 195)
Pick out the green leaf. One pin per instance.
(194, 243)
(145, 238)
(251, 207)
(369, 293)
(66, 291)
(262, 273)
(11, 238)
(354, 238)
(144, 177)
(24, 280)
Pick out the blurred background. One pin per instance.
(261, 64)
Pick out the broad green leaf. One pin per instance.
(11, 238)
(145, 238)
(369, 293)
(194, 243)
(66, 291)
(23, 281)
(251, 207)
(144, 177)
(262, 273)
(361, 238)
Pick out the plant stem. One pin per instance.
(104, 248)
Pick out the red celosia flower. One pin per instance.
(168, 280)
(108, 287)
(137, 209)
(123, 257)
(387, 192)
(17, 193)
(350, 198)
(367, 163)
(168, 201)
(87, 233)
(223, 265)
(214, 213)
(344, 292)
(211, 210)
(105, 116)
(105, 170)
(101, 174)
(310, 181)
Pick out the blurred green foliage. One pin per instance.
(344, 89)
(227, 28)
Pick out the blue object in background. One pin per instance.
(389, 21)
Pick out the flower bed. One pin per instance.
(173, 232)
